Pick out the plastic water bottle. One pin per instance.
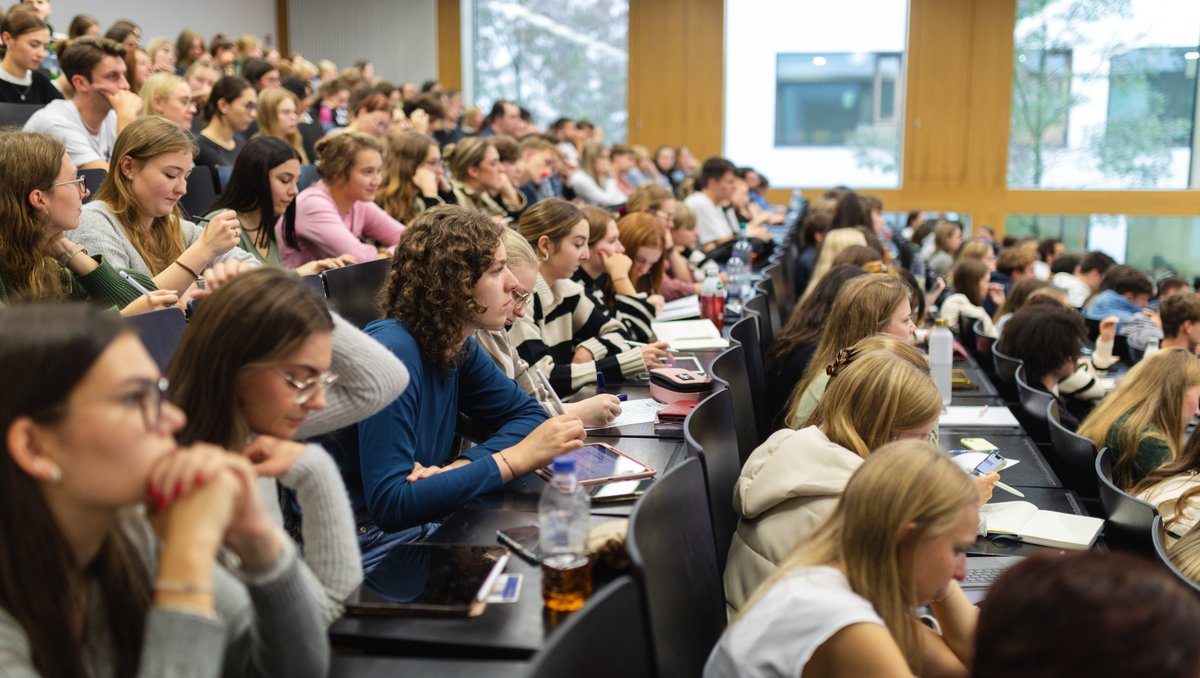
(745, 251)
(712, 296)
(735, 268)
(563, 515)
(1151, 348)
(941, 357)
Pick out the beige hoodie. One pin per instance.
(787, 488)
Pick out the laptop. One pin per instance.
(982, 571)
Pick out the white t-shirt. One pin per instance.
(781, 632)
(712, 222)
(61, 119)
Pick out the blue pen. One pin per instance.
(622, 397)
(600, 388)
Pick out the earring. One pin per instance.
(543, 256)
(51, 469)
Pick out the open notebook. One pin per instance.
(1045, 528)
(690, 335)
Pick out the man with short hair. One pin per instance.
(565, 132)
(1013, 264)
(1047, 251)
(538, 157)
(1126, 295)
(1180, 315)
(102, 107)
(505, 118)
(715, 221)
(1080, 285)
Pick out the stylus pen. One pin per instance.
(134, 284)
(1009, 489)
(490, 582)
(641, 344)
(518, 548)
(546, 383)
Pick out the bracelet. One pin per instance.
(186, 587)
(66, 257)
(510, 468)
(950, 593)
(184, 266)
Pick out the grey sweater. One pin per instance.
(100, 233)
(369, 378)
(268, 624)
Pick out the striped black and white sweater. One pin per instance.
(560, 318)
(634, 312)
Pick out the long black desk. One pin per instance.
(1033, 471)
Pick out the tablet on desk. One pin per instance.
(430, 580)
(598, 463)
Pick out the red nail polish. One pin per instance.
(178, 489)
(199, 480)
(162, 503)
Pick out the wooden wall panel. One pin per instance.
(676, 73)
(449, 43)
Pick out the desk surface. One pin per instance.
(1033, 471)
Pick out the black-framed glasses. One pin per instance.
(306, 389)
(80, 183)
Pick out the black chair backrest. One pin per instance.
(745, 332)
(983, 346)
(1033, 402)
(707, 431)
(729, 369)
(92, 178)
(308, 176)
(314, 281)
(351, 290)
(780, 292)
(761, 307)
(783, 280)
(201, 191)
(1158, 534)
(1129, 519)
(16, 115)
(674, 560)
(1006, 367)
(765, 287)
(160, 330)
(1076, 455)
(608, 637)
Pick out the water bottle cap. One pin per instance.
(941, 322)
(563, 464)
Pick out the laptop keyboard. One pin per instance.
(982, 577)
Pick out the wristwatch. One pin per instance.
(65, 257)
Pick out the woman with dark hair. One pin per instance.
(788, 355)
(89, 587)
(1087, 614)
(262, 191)
(230, 108)
(294, 372)
(972, 285)
(449, 278)
(607, 277)
(81, 25)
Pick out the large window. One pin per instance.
(554, 57)
(1161, 245)
(1104, 94)
(828, 113)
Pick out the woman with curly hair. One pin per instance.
(449, 278)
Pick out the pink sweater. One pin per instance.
(324, 232)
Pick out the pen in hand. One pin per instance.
(134, 283)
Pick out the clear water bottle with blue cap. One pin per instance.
(564, 512)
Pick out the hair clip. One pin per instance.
(844, 357)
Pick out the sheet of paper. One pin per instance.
(640, 411)
(973, 415)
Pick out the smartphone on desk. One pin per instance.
(623, 490)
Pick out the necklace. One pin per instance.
(23, 93)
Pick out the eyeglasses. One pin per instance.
(305, 390)
(661, 214)
(521, 298)
(79, 182)
(148, 397)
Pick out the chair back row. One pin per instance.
(1129, 519)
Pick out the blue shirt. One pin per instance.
(419, 426)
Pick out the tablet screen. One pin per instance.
(598, 461)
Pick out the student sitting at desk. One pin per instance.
(865, 306)
(842, 602)
(1047, 339)
(1086, 614)
(567, 336)
(1142, 421)
(264, 363)
(880, 391)
(1125, 293)
(87, 458)
(971, 288)
(595, 411)
(449, 278)
(609, 277)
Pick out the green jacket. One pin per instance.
(102, 286)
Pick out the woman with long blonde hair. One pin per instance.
(835, 242)
(880, 390)
(135, 220)
(874, 303)
(279, 115)
(842, 603)
(1142, 421)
